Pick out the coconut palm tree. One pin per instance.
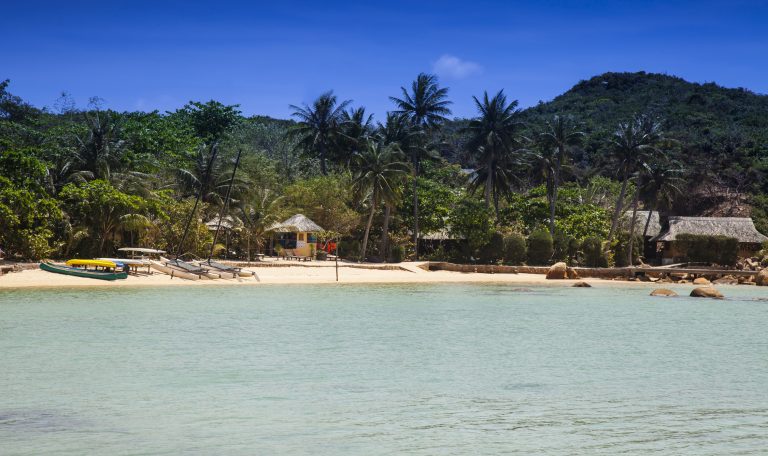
(397, 131)
(560, 135)
(257, 210)
(425, 106)
(356, 129)
(319, 127)
(494, 137)
(378, 170)
(633, 144)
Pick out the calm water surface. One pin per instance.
(374, 370)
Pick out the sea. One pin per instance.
(427, 369)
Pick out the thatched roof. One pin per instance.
(227, 223)
(654, 228)
(740, 228)
(299, 223)
(443, 234)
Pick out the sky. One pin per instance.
(265, 56)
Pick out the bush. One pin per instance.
(697, 248)
(348, 249)
(515, 249)
(321, 255)
(397, 254)
(594, 257)
(492, 251)
(540, 247)
(621, 248)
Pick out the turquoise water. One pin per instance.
(375, 370)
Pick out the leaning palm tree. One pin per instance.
(633, 144)
(319, 127)
(356, 129)
(425, 107)
(560, 135)
(378, 170)
(494, 137)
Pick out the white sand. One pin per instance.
(308, 273)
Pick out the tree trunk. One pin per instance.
(323, 168)
(632, 226)
(619, 204)
(553, 203)
(367, 230)
(384, 247)
(416, 208)
(488, 187)
(551, 198)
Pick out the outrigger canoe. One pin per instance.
(105, 274)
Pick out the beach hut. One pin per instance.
(741, 228)
(297, 234)
(654, 229)
(223, 224)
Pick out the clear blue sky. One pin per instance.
(139, 55)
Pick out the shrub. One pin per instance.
(492, 251)
(540, 248)
(621, 248)
(348, 249)
(697, 248)
(515, 249)
(397, 254)
(321, 255)
(594, 257)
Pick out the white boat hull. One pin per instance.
(173, 272)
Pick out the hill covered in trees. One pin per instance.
(86, 181)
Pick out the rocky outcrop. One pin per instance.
(558, 271)
(761, 278)
(706, 292)
(701, 281)
(581, 285)
(726, 280)
(663, 292)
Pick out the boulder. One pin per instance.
(726, 280)
(701, 281)
(571, 273)
(761, 278)
(581, 285)
(706, 292)
(663, 292)
(558, 271)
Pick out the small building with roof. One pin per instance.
(297, 234)
(741, 228)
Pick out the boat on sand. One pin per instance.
(108, 271)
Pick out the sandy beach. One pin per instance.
(283, 272)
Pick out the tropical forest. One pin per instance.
(558, 181)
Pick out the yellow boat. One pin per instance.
(94, 263)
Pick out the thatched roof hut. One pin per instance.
(741, 228)
(299, 223)
(226, 223)
(654, 228)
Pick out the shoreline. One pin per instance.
(310, 274)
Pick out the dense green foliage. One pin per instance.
(560, 174)
(721, 250)
(540, 247)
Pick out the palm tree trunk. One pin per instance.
(553, 203)
(384, 247)
(619, 204)
(551, 198)
(416, 208)
(488, 186)
(632, 226)
(367, 230)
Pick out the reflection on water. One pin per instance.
(382, 369)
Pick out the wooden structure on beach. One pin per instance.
(297, 234)
(741, 228)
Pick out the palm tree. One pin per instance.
(493, 136)
(377, 171)
(560, 135)
(659, 180)
(425, 107)
(633, 143)
(319, 127)
(257, 211)
(206, 175)
(356, 129)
